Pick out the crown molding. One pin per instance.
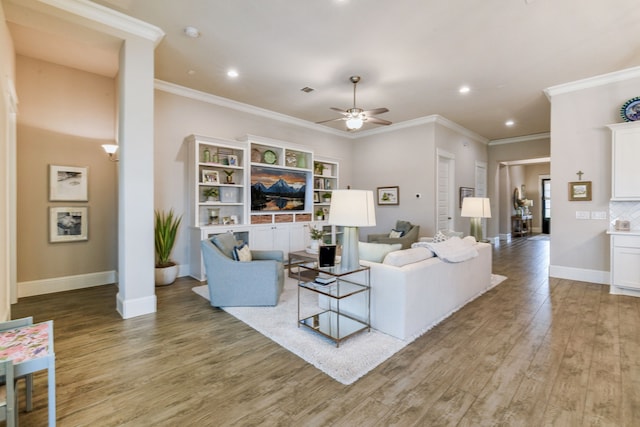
(103, 15)
(591, 82)
(240, 106)
(251, 109)
(525, 138)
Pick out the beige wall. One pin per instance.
(178, 116)
(65, 115)
(581, 141)
(407, 158)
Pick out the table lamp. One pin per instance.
(351, 209)
(476, 208)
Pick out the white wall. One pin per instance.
(580, 141)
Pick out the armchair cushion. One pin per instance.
(407, 238)
(226, 242)
(403, 226)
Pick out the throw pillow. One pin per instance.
(225, 242)
(407, 256)
(242, 253)
(439, 237)
(375, 252)
(395, 234)
(404, 226)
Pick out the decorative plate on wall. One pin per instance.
(630, 111)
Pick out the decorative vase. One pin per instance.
(166, 275)
(315, 245)
(206, 156)
(302, 161)
(229, 179)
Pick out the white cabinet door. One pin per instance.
(299, 237)
(269, 237)
(625, 181)
(625, 262)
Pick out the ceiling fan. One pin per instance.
(355, 117)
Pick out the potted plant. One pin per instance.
(229, 176)
(326, 197)
(319, 214)
(166, 229)
(211, 193)
(319, 168)
(316, 235)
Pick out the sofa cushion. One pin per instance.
(443, 235)
(375, 252)
(407, 256)
(395, 234)
(404, 226)
(242, 253)
(439, 237)
(225, 242)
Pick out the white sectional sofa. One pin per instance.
(408, 300)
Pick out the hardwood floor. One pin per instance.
(532, 351)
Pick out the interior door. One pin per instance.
(445, 191)
(546, 205)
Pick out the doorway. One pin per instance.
(546, 205)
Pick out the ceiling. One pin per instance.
(412, 55)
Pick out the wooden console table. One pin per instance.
(521, 225)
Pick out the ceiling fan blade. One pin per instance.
(375, 111)
(339, 110)
(330, 120)
(378, 121)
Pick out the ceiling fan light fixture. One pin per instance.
(354, 123)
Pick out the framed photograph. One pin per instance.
(389, 195)
(68, 183)
(233, 160)
(68, 224)
(210, 176)
(466, 192)
(580, 191)
(316, 197)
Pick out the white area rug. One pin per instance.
(356, 355)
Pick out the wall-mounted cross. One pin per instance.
(580, 173)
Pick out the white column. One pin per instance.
(136, 295)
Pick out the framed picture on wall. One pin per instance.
(68, 224)
(388, 195)
(580, 191)
(68, 183)
(466, 192)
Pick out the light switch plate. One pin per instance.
(583, 215)
(598, 215)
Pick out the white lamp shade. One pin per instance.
(352, 208)
(476, 207)
(110, 148)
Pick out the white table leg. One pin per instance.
(52, 392)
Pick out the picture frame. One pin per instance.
(316, 197)
(68, 224)
(466, 192)
(233, 160)
(580, 191)
(68, 183)
(389, 195)
(210, 176)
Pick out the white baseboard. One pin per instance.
(580, 274)
(505, 236)
(135, 307)
(67, 283)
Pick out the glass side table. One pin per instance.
(330, 322)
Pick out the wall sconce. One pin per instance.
(111, 149)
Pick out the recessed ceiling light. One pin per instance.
(464, 89)
(232, 73)
(191, 72)
(192, 32)
(509, 123)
